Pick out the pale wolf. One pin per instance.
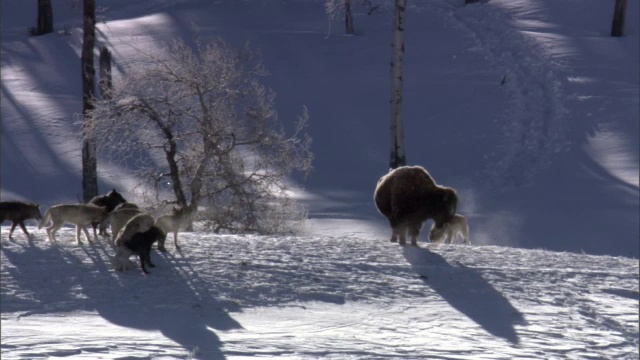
(139, 223)
(79, 215)
(139, 244)
(18, 212)
(109, 200)
(119, 218)
(450, 230)
(171, 223)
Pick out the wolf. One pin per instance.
(139, 244)
(18, 212)
(138, 223)
(109, 200)
(450, 230)
(119, 218)
(79, 215)
(171, 223)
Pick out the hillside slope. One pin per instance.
(547, 158)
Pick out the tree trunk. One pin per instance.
(106, 84)
(348, 18)
(45, 17)
(89, 161)
(398, 157)
(617, 27)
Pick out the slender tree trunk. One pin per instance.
(106, 84)
(45, 17)
(348, 18)
(617, 27)
(89, 161)
(398, 157)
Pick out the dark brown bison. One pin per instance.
(18, 212)
(408, 196)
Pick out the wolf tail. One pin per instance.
(45, 220)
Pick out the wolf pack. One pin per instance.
(134, 231)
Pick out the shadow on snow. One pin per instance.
(467, 291)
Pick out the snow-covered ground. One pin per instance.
(527, 107)
(345, 297)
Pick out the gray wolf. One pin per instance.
(139, 244)
(79, 215)
(408, 196)
(109, 200)
(450, 230)
(171, 223)
(18, 212)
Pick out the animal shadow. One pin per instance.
(467, 291)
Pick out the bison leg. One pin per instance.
(402, 232)
(414, 231)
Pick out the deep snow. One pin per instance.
(527, 107)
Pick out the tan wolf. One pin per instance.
(18, 212)
(171, 223)
(79, 215)
(450, 230)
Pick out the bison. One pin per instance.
(408, 196)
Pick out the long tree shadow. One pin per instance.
(58, 280)
(468, 292)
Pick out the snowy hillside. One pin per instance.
(316, 297)
(527, 107)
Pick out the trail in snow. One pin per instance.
(534, 123)
(307, 297)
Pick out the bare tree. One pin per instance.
(45, 18)
(617, 26)
(89, 159)
(335, 8)
(201, 131)
(398, 157)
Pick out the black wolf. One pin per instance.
(139, 244)
(18, 212)
(109, 201)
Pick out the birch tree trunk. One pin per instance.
(89, 162)
(398, 157)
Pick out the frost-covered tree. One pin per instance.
(200, 129)
(334, 8)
